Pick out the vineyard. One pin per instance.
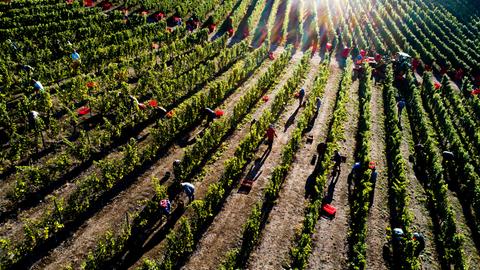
(317, 134)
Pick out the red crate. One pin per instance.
(329, 210)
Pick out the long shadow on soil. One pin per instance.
(254, 171)
(291, 119)
(261, 30)
(242, 30)
(277, 30)
(310, 191)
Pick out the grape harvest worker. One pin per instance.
(177, 20)
(38, 86)
(418, 237)
(419, 154)
(270, 134)
(301, 95)
(190, 25)
(400, 105)
(353, 176)
(373, 180)
(189, 189)
(75, 56)
(165, 206)
(398, 236)
(356, 168)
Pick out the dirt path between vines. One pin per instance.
(287, 215)
(226, 230)
(418, 203)
(378, 219)
(330, 246)
(129, 200)
(215, 169)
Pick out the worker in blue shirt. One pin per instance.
(38, 86)
(75, 56)
(189, 189)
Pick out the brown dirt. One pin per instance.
(127, 201)
(330, 246)
(287, 215)
(418, 203)
(211, 249)
(378, 219)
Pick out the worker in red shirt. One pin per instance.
(271, 134)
